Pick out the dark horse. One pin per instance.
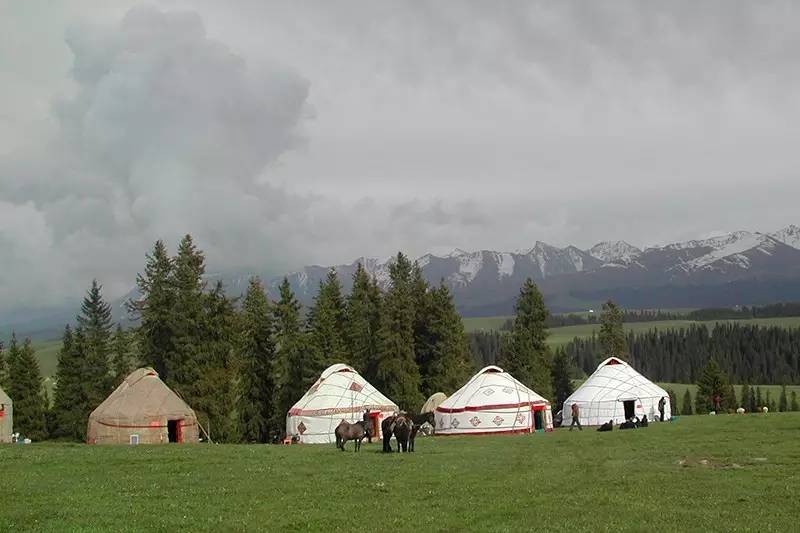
(346, 431)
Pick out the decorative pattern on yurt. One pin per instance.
(614, 387)
(493, 401)
(339, 394)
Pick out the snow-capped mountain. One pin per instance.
(617, 252)
(487, 281)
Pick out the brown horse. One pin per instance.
(387, 428)
(346, 431)
(403, 427)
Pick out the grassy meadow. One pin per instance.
(723, 473)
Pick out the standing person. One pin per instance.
(576, 413)
(661, 405)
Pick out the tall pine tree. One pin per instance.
(443, 354)
(326, 324)
(612, 332)
(293, 375)
(182, 364)
(562, 383)
(686, 408)
(362, 321)
(256, 350)
(397, 373)
(153, 309)
(212, 390)
(712, 383)
(526, 355)
(95, 321)
(121, 360)
(70, 404)
(26, 391)
(794, 405)
(783, 402)
(3, 367)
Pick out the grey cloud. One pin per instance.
(281, 133)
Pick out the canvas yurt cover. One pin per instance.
(142, 410)
(339, 394)
(615, 391)
(433, 402)
(6, 417)
(493, 402)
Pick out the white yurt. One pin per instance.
(493, 402)
(615, 391)
(339, 394)
(434, 401)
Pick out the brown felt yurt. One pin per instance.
(142, 410)
(6, 417)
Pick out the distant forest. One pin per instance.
(657, 315)
(746, 353)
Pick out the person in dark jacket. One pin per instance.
(643, 422)
(662, 403)
(576, 413)
(628, 424)
(608, 426)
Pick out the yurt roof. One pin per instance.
(491, 388)
(340, 389)
(615, 379)
(433, 402)
(4, 398)
(142, 395)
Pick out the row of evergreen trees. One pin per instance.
(241, 363)
(747, 353)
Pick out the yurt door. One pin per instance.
(375, 418)
(175, 430)
(630, 408)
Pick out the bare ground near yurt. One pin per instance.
(700, 473)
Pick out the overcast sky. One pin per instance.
(287, 133)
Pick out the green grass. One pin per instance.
(724, 473)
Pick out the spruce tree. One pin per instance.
(121, 364)
(182, 364)
(212, 389)
(562, 384)
(95, 321)
(612, 332)
(751, 405)
(783, 403)
(256, 350)
(673, 401)
(153, 308)
(711, 383)
(768, 401)
(293, 376)
(686, 408)
(526, 355)
(445, 364)
(759, 398)
(70, 404)
(326, 324)
(397, 373)
(745, 396)
(362, 321)
(3, 368)
(794, 405)
(26, 392)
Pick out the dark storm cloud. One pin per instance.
(281, 133)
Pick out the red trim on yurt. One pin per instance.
(471, 408)
(340, 410)
(614, 361)
(503, 432)
(151, 426)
